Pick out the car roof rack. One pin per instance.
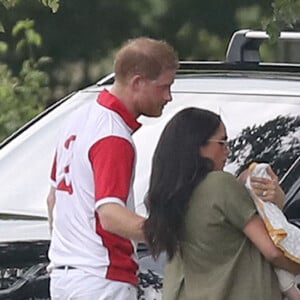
(244, 45)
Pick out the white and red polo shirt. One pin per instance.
(94, 164)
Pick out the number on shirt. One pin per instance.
(65, 183)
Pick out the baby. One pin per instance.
(284, 235)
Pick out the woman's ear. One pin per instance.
(203, 150)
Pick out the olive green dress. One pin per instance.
(217, 261)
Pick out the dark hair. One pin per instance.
(177, 167)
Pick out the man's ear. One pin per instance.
(136, 82)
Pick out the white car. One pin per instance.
(258, 102)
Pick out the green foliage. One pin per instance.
(30, 37)
(23, 94)
(285, 15)
(8, 3)
(3, 47)
(250, 17)
(214, 45)
(53, 4)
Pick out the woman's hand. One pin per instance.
(268, 189)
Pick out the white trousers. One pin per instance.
(74, 284)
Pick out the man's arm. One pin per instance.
(112, 160)
(121, 221)
(50, 205)
(256, 231)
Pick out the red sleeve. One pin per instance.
(112, 160)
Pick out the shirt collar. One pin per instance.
(111, 102)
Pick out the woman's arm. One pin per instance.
(256, 231)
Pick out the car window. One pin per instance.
(292, 207)
(260, 127)
(289, 178)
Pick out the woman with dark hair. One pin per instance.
(217, 245)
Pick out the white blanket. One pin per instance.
(285, 235)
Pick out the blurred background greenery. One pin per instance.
(49, 48)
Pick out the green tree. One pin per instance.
(274, 142)
(24, 90)
(24, 94)
(83, 35)
(81, 38)
(285, 15)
